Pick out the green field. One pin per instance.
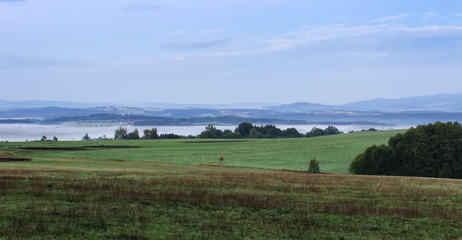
(174, 189)
(333, 152)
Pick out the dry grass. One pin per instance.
(170, 201)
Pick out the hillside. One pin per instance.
(439, 102)
(166, 190)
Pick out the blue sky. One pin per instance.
(206, 51)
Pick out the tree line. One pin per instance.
(248, 130)
(433, 150)
(243, 130)
(122, 134)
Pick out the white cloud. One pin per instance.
(313, 35)
(323, 33)
(391, 18)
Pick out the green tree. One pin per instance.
(254, 133)
(134, 135)
(315, 132)
(331, 130)
(291, 133)
(230, 134)
(244, 129)
(433, 150)
(376, 160)
(44, 139)
(86, 137)
(210, 132)
(314, 166)
(151, 134)
(269, 131)
(120, 134)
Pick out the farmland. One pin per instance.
(333, 152)
(174, 189)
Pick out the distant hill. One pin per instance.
(302, 107)
(43, 104)
(46, 112)
(5, 105)
(440, 102)
(403, 112)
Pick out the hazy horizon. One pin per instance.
(214, 52)
(138, 103)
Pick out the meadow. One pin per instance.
(333, 152)
(175, 189)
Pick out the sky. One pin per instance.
(217, 51)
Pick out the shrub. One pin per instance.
(314, 166)
(376, 160)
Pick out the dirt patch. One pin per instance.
(215, 141)
(15, 159)
(53, 148)
(104, 146)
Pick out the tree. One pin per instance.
(55, 139)
(331, 130)
(226, 133)
(314, 166)
(86, 137)
(291, 133)
(254, 133)
(230, 134)
(210, 132)
(134, 135)
(150, 134)
(44, 139)
(244, 129)
(120, 134)
(170, 136)
(315, 132)
(269, 131)
(433, 150)
(376, 160)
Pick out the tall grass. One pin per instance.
(207, 202)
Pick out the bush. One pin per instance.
(376, 160)
(314, 166)
(433, 150)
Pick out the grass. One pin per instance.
(334, 153)
(131, 194)
(171, 201)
